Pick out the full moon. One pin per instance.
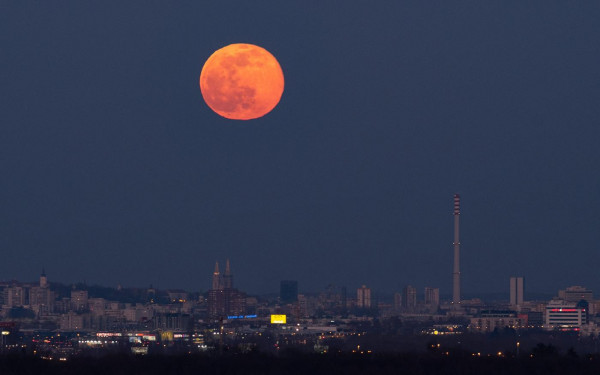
(241, 82)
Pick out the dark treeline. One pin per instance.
(299, 363)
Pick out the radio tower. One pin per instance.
(456, 272)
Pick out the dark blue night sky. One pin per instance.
(114, 170)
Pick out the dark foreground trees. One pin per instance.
(300, 363)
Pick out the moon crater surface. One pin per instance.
(241, 82)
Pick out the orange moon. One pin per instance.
(241, 82)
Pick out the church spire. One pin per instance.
(43, 279)
(216, 279)
(227, 277)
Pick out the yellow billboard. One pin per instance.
(278, 319)
(166, 335)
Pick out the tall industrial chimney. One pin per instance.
(456, 272)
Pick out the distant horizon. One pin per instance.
(350, 291)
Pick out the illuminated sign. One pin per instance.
(564, 310)
(108, 334)
(142, 350)
(241, 316)
(166, 336)
(278, 319)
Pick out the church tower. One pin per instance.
(43, 279)
(216, 279)
(227, 277)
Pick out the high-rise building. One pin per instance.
(516, 291)
(432, 297)
(409, 297)
(363, 297)
(456, 244)
(344, 295)
(288, 291)
(15, 295)
(576, 294)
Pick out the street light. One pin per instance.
(4, 333)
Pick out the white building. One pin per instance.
(561, 314)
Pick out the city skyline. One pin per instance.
(115, 171)
(217, 280)
(54, 322)
(515, 297)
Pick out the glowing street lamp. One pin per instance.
(4, 333)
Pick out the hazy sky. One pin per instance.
(113, 169)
